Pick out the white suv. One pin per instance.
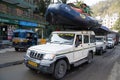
(101, 44)
(64, 48)
(110, 43)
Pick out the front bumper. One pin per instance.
(109, 45)
(98, 49)
(42, 66)
(21, 45)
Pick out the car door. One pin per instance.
(86, 45)
(78, 48)
(92, 43)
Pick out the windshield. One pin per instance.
(16, 34)
(99, 39)
(19, 34)
(62, 38)
(109, 39)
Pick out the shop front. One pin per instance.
(6, 28)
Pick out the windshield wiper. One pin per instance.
(55, 42)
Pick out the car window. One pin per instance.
(63, 38)
(109, 39)
(78, 40)
(92, 38)
(99, 39)
(86, 39)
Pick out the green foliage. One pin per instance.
(86, 10)
(78, 4)
(117, 25)
(42, 6)
(64, 1)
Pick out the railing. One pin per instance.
(21, 3)
(24, 16)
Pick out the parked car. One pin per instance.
(101, 44)
(110, 43)
(65, 48)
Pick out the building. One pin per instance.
(17, 14)
(109, 20)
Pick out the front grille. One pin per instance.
(36, 55)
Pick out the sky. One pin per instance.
(88, 2)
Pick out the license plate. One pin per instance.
(32, 63)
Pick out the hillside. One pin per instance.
(106, 7)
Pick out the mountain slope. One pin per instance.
(106, 7)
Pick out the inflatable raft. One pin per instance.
(63, 14)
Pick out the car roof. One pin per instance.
(76, 32)
(23, 30)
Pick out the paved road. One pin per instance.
(100, 69)
(9, 55)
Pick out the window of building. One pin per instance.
(3, 8)
(11, 10)
(19, 12)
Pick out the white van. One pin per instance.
(64, 48)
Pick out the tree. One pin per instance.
(117, 25)
(64, 1)
(88, 9)
(78, 4)
(42, 6)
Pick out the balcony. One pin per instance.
(24, 17)
(20, 3)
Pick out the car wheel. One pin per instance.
(60, 69)
(101, 51)
(90, 58)
(113, 46)
(16, 49)
(105, 50)
(31, 69)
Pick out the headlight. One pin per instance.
(49, 56)
(28, 52)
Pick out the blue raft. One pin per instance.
(63, 14)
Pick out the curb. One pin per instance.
(6, 49)
(11, 63)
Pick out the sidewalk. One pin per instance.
(115, 72)
(9, 57)
(5, 44)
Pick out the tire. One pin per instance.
(16, 49)
(32, 69)
(101, 51)
(60, 69)
(90, 58)
(105, 50)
